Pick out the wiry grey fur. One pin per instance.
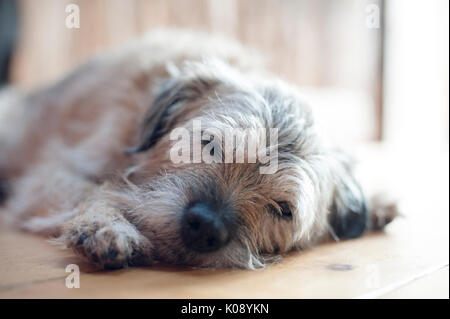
(87, 159)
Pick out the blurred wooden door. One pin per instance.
(312, 43)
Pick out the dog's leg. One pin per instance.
(41, 200)
(101, 234)
(53, 200)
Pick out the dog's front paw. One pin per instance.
(105, 247)
(383, 211)
(108, 241)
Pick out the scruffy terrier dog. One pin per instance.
(88, 160)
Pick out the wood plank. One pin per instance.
(27, 259)
(32, 269)
(432, 286)
(303, 40)
(394, 261)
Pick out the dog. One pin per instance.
(88, 161)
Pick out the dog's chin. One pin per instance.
(235, 255)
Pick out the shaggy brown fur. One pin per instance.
(87, 159)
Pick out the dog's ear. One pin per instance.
(348, 212)
(170, 102)
(3, 190)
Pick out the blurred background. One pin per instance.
(375, 70)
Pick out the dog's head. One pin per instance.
(201, 209)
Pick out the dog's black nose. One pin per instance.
(204, 229)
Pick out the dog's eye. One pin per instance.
(283, 211)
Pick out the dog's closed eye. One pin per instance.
(283, 210)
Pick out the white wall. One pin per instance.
(416, 75)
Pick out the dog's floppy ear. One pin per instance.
(348, 212)
(171, 99)
(3, 190)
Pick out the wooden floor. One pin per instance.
(409, 260)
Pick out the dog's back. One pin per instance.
(98, 107)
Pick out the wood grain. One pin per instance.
(309, 43)
(409, 260)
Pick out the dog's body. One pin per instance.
(63, 148)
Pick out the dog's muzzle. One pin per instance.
(204, 228)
